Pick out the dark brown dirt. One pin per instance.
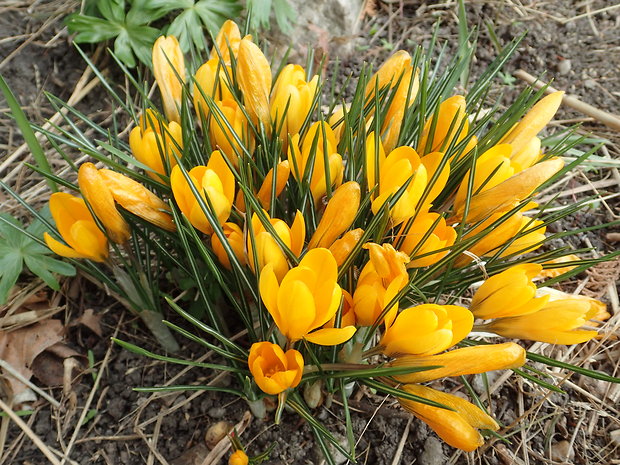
(591, 44)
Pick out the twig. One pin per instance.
(17, 375)
(604, 117)
(401, 444)
(33, 437)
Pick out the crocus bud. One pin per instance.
(155, 144)
(226, 41)
(291, 99)
(210, 80)
(311, 289)
(451, 122)
(275, 371)
(343, 247)
(460, 362)
(458, 427)
(77, 227)
(169, 71)
(222, 137)
(428, 233)
(238, 457)
(282, 175)
(214, 181)
(426, 329)
(254, 77)
(338, 216)
(234, 235)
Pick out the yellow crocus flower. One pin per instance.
(300, 157)
(347, 317)
(307, 298)
(402, 165)
(557, 322)
(227, 40)
(77, 227)
(338, 216)
(214, 181)
(342, 248)
(210, 80)
(238, 457)
(460, 362)
(268, 251)
(291, 99)
(427, 233)
(169, 71)
(383, 276)
(155, 143)
(254, 78)
(274, 370)
(234, 236)
(509, 293)
(266, 188)
(222, 137)
(426, 329)
(527, 156)
(457, 427)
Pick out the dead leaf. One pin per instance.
(90, 321)
(19, 348)
(49, 366)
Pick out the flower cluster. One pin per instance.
(343, 226)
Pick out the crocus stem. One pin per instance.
(154, 322)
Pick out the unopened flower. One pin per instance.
(265, 192)
(274, 370)
(77, 227)
(459, 362)
(229, 141)
(268, 251)
(427, 234)
(338, 216)
(306, 299)
(342, 248)
(238, 457)
(509, 293)
(558, 322)
(554, 272)
(598, 310)
(300, 159)
(426, 329)
(347, 315)
(156, 144)
(169, 71)
(401, 167)
(215, 182)
(291, 99)
(227, 40)
(458, 427)
(527, 156)
(254, 77)
(383, 276)
(234, 236)
(104, 188)
(211, 81)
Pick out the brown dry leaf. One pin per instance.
(19, 348)
(369, 9)
(90, 320)
(49, 366)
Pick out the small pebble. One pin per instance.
(216, 433)
(564, 67)
(615, 437)
(216, 412)
(589, 83)
(433, 452)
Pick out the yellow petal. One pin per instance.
(331, 336)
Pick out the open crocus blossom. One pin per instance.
(254, 75)
(425, 238)
(338, 216)
(307, 298)
(156, 144)
(460, 362)
(291, 99)
(426, 329)
(274, 370)
(509, 293)
(77, 227)
(268, 251)
(169, 71)
(458, 427)
(558, 322)
(215, 182)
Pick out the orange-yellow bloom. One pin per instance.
(223, 137)
(266, 188)
(459, 362)
(210, 80)
(343, 247)
(338, 216)
(527, 156)
(383, 276)
(234, 235)
(428, 233)
(300, 158)
(558, 322)
(291, 99)
(268, 251)
(227, 40)
(169, 71)
(598, 310)
(509, 293)
(215, 182)
(77, 227)
(306, 299)
(400, 167)
(273, 369)
(155, 144)
(458, 427)
(238, 457)
(347, 316)
(555, 272)
(254, 77)
(426, 329)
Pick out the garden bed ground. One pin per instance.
(107, 423)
